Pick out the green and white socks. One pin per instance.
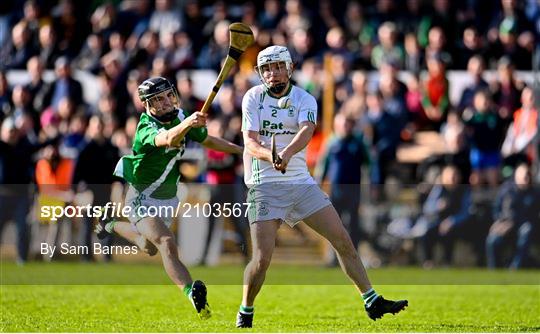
(247, 309)
(369, 297)
(187, 290)
(109, 227)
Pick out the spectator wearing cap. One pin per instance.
(64, 86)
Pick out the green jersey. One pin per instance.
(155, 170)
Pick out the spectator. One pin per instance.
(393, 91)
(484, 130)
(475, 69)
(188, 101)
(271, 15)
(444, 214)
(519, 142)
(5, 96)
(301, 45)
(194, 20)
(355, 105)
(517, 220)
(166, 18)
(64, 86)
(37, 87)
(436, 100)
(16, 54)
(471, 45)
(414, 55)
(221, 177)
(437, 46)
(413, 103)
(340, 164)
(15, 183)
(95, 177)
(507, 90)
(507, 45)
(387, 50)
(48, 46)
(216, 49)
(383, 136)
(90, 55)
(53, 177)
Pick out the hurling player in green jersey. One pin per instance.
(152, 173)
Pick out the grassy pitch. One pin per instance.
(73, 297)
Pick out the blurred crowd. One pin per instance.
(389, 61)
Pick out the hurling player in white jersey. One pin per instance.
(284, 191)
(152, 173)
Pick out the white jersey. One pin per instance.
(260, 112)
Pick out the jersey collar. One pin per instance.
(275, 97)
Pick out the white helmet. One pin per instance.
(274, 54)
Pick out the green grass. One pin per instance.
(46, 298)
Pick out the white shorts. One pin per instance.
(288, 202)
(143, 206)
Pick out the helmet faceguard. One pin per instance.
(274, 59)
(160, 98)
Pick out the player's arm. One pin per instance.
(254, 148)
(173, 137)
(220, 144)
(298, 143)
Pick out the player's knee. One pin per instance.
(149, 248)
(167, 245)
(262, 262)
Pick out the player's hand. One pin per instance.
(196, 120)
(283, 162)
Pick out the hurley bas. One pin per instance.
(98, 249)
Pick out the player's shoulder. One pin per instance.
(255, 91)
(301, 95)
(148, 122)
